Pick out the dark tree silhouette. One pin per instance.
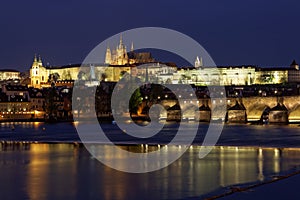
(53, 77)
(50, 106)
(135, 101)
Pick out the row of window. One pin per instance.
(38, 101)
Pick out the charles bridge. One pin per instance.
(246, 109)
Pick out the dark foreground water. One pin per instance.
(67, 171)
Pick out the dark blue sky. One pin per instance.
(260, 32)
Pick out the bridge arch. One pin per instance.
(256, 112)
(294, 114)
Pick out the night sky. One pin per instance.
(234, 32)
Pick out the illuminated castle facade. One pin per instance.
(7, 74)
(118, 61)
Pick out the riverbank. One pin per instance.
(36, 120)
(279, 136)
(141, 119)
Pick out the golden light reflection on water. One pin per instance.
(224, 166)
(68, 171)
(47, 161)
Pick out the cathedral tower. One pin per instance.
(198, 62)
(108, 59)
(131, 49)
(38, 73)
(294, 65)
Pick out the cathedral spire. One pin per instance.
(92, 72)
(121, 40)
(108, 56)
(35, 59)
(131, 49)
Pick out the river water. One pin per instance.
(53, 165)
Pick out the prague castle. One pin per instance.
(118, 62)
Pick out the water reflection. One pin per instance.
(51, 171)
(48, 170)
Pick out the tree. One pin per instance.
(156, 92)
(66, 75)
(53, 77)
(63, 75)
(81, 75)
(69, 76)
(122, 73)
(50, 106)
(135, 101)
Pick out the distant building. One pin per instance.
(14, 103)
(271, 75)
(42, 76)
(221, 75)
(294, 73)
(37, 99)
(174, 113)
(16, 93)
(7, 74)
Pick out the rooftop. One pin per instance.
(8, 70)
